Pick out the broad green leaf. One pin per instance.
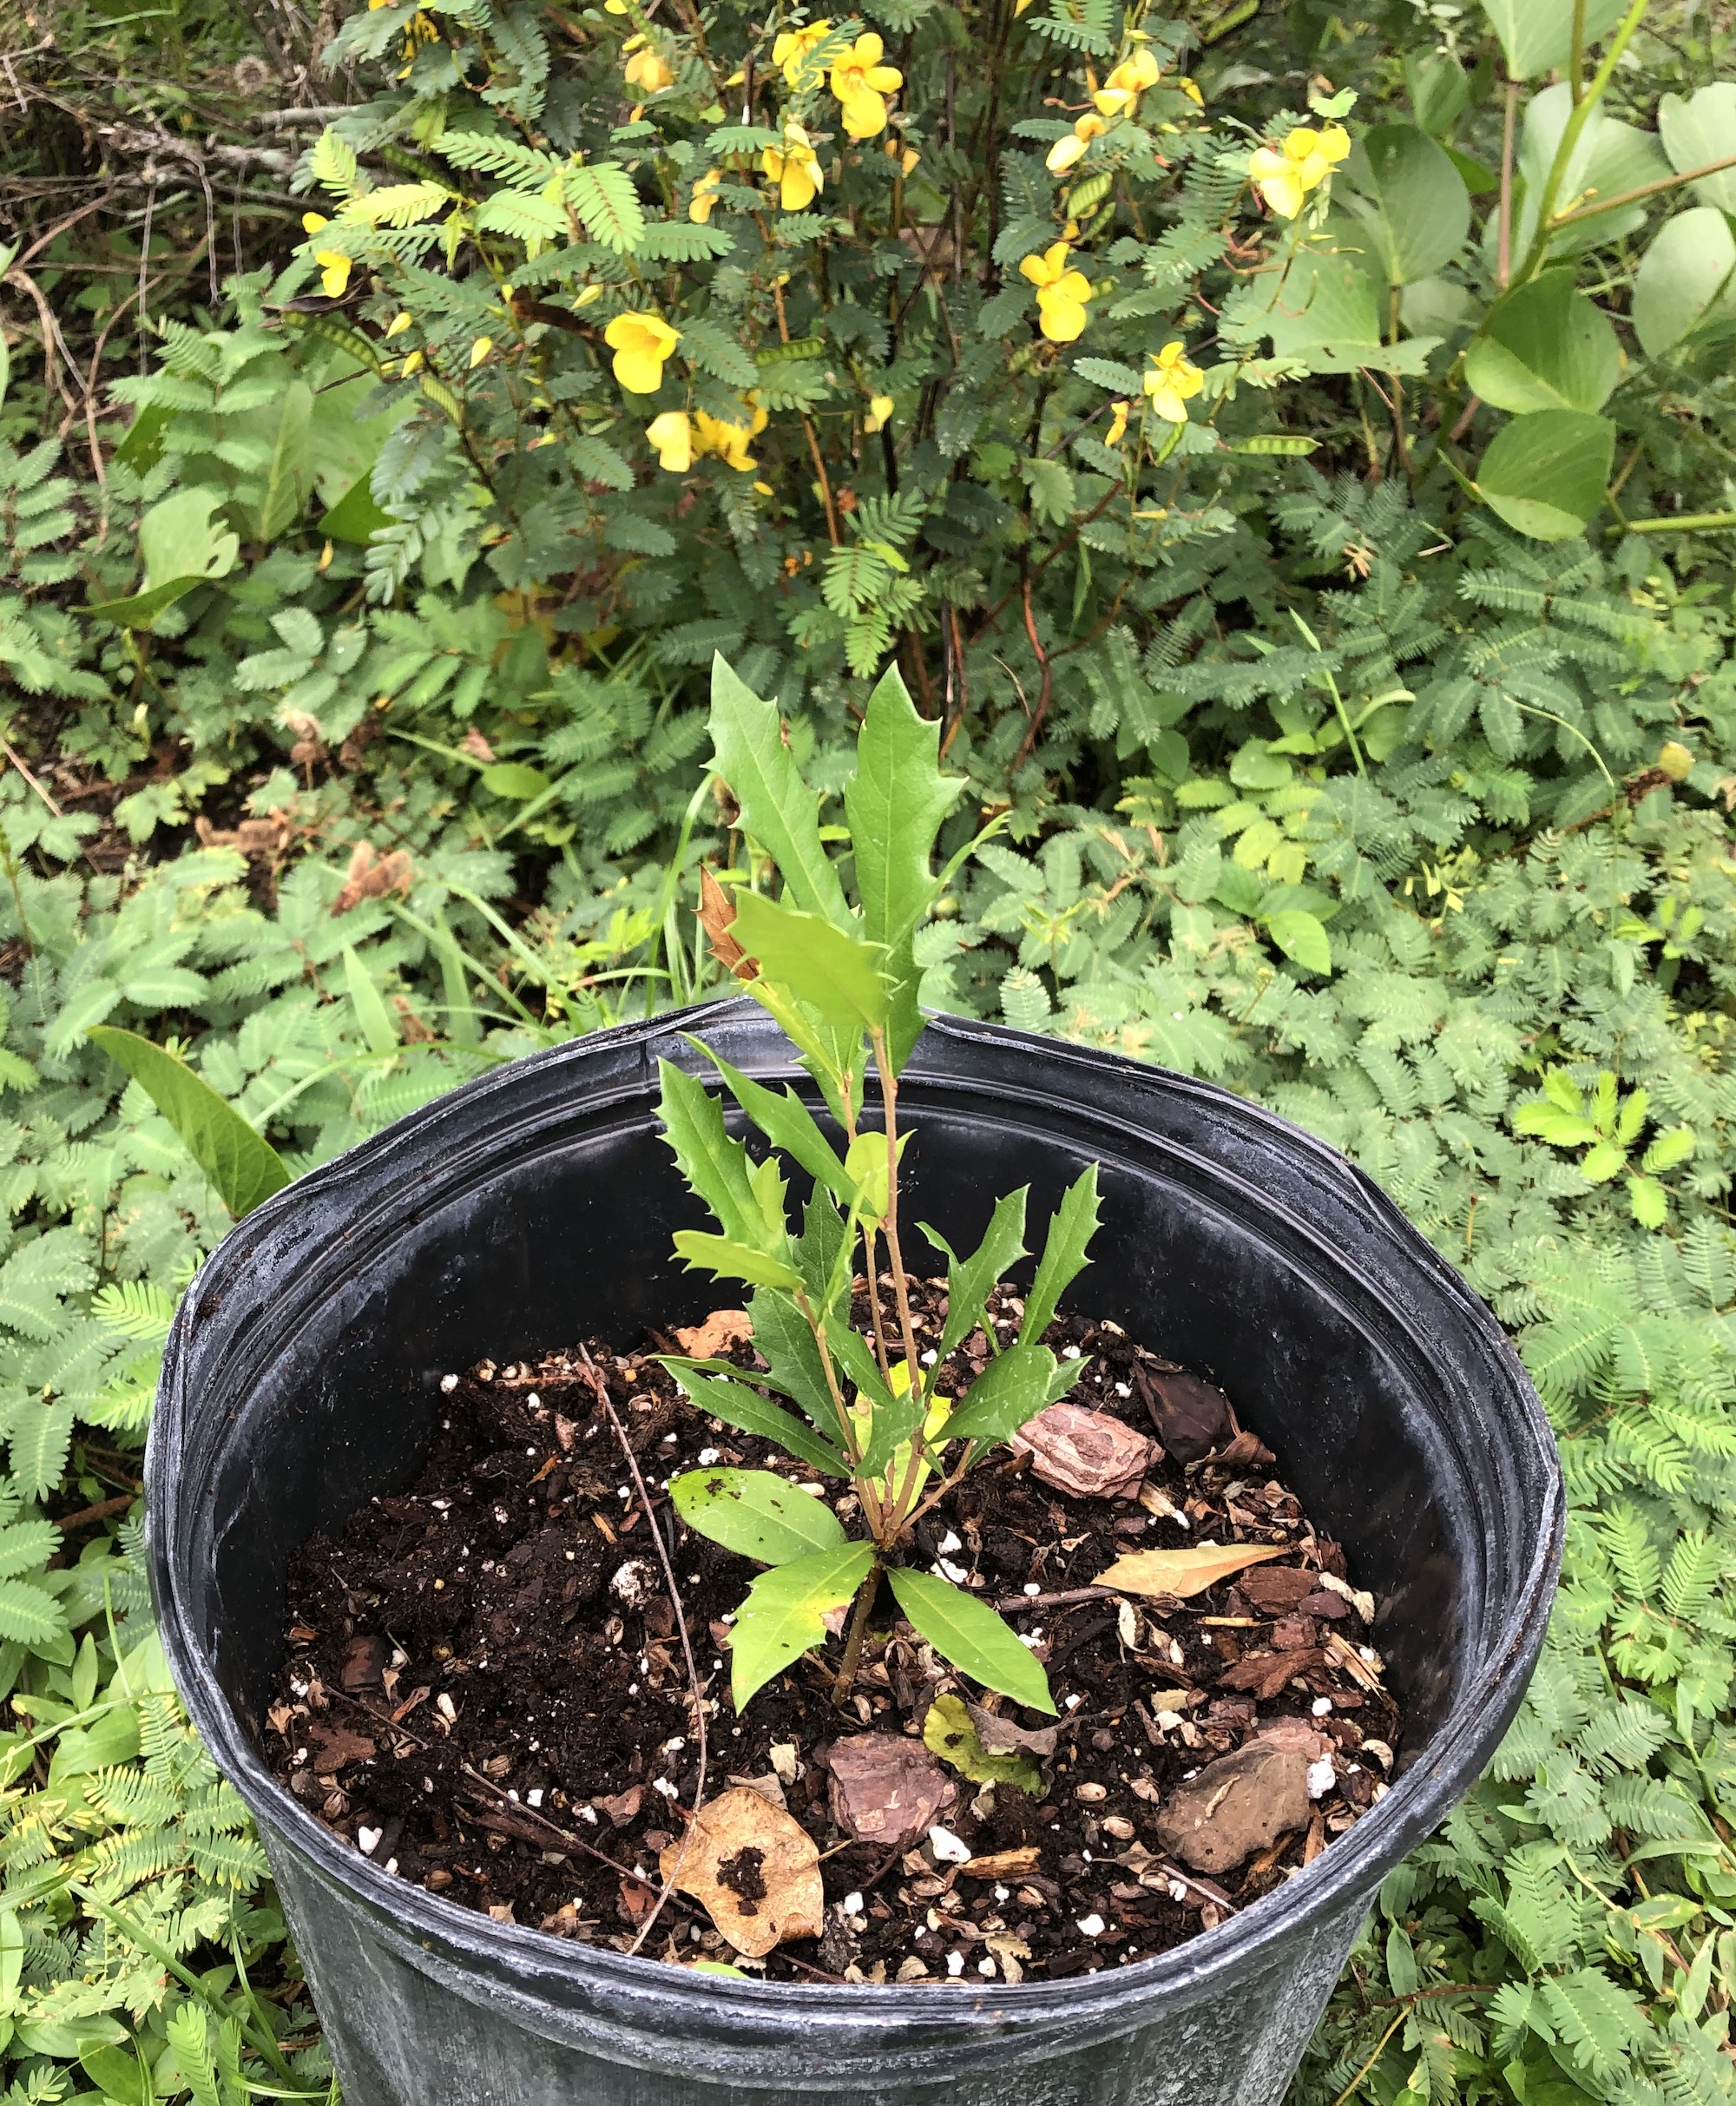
(895, 803)
(970, 1280)
(1303, 936)
(729, 1398)
(714, 1164)
(1439, 90)
(356, 516)
(515, 780)
(783, 1614)
(115, 2073)
(1537, 36)
(836, 973)
(1070, 1231)
(971, 1636)
(727, 1260)
(1545, 474)
(371, 1013)
(1545, 347)
(1328, 312)
(243, 1166)
(1010, 1391)
(287, 477)
(1701, 130)
(1610, 158)
(181, 550)
(778, 809)
(1683, 278)
(1411, 201)
(756, 1514)
(950, 1732)
(786, 1122)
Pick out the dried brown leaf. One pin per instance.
(720, 1330)
(716, 912)
(753, 1869)
(1186, 1571)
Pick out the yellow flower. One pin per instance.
(1060, 295)
(728, 442)
(412, 364)
(1284, 175)
(1191, 89)
(1066, 152)
(704, 197)
(334, 270)
(794, 167)
(400, 322)
(906, 156)
(480, 350)
(862, 84)
(1118, 425)
(312, 221)
(880, 414)
(792, 48)
(1127, 84)
(648, 70)
(672, 438)
(641, 344)
(1172, 380)
(1019, 7)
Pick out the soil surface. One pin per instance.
(486, 1689)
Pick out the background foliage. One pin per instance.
(1366, 741)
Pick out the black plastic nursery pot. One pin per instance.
(536, 1206)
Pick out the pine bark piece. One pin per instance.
(1191, 1416)
(364, 1661)
(1263, 1675)
(336, 1747)
(1239, 1804)
(1275, 1590)
(1086, 1453)
(886, 1790)
(754, 1870)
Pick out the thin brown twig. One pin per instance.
(562, 1835)
(12, 754)
(1027, 745)
(600, 1390)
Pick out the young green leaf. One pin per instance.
(243, 1166)
(714, 1165)
(894, 804)
(727, 1259)
(786, 1123)
(893, 1425)
(730, 1399)
(970, 1280)
(371, 1013)
(969, 1635)
(778, 809)
(1070, 1231)
(1011, 1390)
(756, 1514)
(787, 1345)
(836, 973)
(852, 1352)
(783, 1614)
(819, 1251)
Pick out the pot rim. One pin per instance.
(1413, 1806)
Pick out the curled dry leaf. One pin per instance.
(1010, 1950)
(1086, 1453)
(1292, 1737)
(720, 1330)
(624, 1805)
(367, 878)
(1363, 1603)
(1000, 1737)
(1236, 1805)
(335, 1746)
(1191, 1415)
(1186, 1571)
(886, 1790)
(754, 1870)
(1343, 1654)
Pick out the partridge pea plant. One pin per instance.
(840, 980)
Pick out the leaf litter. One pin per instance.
(485, 1681)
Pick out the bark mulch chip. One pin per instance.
(486, 1689)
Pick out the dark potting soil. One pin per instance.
(486, 1689)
